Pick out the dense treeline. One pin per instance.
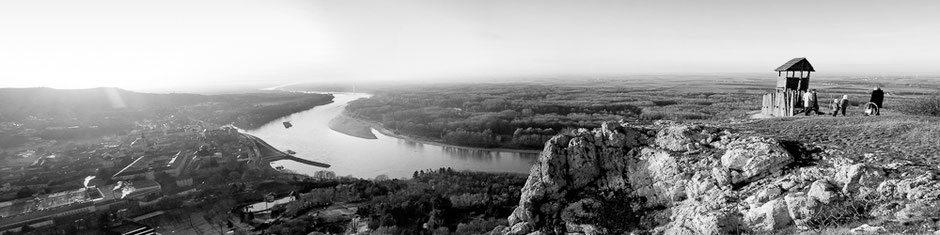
(505, 115)
(256, 115)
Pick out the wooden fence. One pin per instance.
(781, 103)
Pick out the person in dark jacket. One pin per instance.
(877, 97)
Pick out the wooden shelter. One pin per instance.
(787, 96)
(792, 80)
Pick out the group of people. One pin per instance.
(873, 106)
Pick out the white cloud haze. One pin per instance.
(136, 44)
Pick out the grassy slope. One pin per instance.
(890, 138)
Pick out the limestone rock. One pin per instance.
(823, 191)
(582, 166)
(772, 215)
(888, 189)
(918, 212)
(655, 175)
(855, 176)
(868, 229)
(669, 178)
(722, 176)
(703, 217)
(752, 157)
(521, 228)
(764, 195)
(801, 208)
(676, 138)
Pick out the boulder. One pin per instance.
(801, 208)
(753, 157)
(722, 176)
(888, 189)
(521, 228)
(852, 177)
(868, 229)
(763, 196)
(772, 215)
(824, 192)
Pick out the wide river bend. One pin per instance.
(312, 139)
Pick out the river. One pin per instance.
(312, 139)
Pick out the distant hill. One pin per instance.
(101, 106)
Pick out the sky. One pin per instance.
(147, 44)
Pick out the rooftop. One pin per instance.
(48, 201)
(796, 64)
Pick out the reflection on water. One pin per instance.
(311, 138)
(411, 144)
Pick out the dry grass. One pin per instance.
(929, 106)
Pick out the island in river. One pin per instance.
(352, 126)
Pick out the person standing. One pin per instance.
(877, 97)
(809, 103)
(815, 102)
(834, 106)
(844, 104)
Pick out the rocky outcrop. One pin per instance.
(669, 178)
(663, 172)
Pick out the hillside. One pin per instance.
(18, 103)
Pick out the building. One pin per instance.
(793, 80)
(138, 189)
(177, 165)
(145, 167)
(40, 211)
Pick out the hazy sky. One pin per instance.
(136, 44)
